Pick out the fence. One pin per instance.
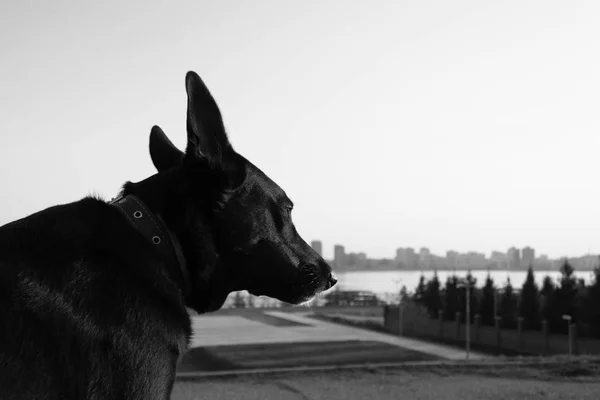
(411, 320)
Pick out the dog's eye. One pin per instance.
(289, 209)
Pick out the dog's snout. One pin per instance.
(331, 281)
(325, 274)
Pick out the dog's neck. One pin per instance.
(143, 205)
(154, 191)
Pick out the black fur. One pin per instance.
(89, 310)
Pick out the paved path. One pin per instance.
(234, 330)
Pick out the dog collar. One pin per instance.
(155, 231)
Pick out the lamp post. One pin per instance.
(496, 290)
(400, 307)
(466, 284)
(568, 319)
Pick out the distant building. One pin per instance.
(499, 260)
(543, 262)
(514, 258)
(410, 258)
(399, 254)
(339, 255)
(351, 259)
(438, 262)
(584, 263)
(317, 246)
(406, 257)
(425, 258)
(527, 257)
(475, 260)
(462, 261)
(356, 260)
(452, 258)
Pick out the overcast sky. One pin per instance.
(465, 125)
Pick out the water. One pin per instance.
(387, 282)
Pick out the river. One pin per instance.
(387, 284)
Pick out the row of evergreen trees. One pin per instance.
(570, 296)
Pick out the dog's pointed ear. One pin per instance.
(163, 152)
(205, 130)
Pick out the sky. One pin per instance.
(463, 125)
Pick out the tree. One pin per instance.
(239, 301)
(529, 302)
(251, 301)
(433, 297)
(548, 286)
(548, 299)
(507, 307)
(404, 296)
(451, 298)
(593, 304)
(580, 305)
(487, 302)
(566, 297)
(419, 296)
(560, 300)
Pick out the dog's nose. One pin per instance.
(331, 281)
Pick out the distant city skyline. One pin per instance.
(423, 257)
(328, 251)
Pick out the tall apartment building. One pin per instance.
(339, 255)
(514, 257)
(527, 256)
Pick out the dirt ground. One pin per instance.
(564, 380)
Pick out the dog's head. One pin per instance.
(234, 223)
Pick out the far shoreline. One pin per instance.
(462, 269)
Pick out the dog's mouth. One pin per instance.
(308, 283)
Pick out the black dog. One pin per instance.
(93, 295)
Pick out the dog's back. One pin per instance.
(86, 311)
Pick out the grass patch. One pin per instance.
(454, 343)
(305, 354)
